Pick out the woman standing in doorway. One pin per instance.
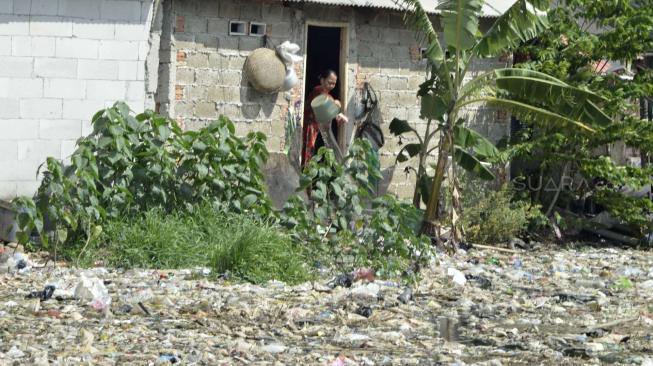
(312, 138)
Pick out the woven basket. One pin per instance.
(265, 71)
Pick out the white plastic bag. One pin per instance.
(93, 291)
(287, 53)
(291, 79)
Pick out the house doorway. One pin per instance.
(325, 50)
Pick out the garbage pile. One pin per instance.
(549, 306)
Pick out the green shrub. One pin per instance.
(494, 216)
(345, 220)
(131, 164)
(225, 242)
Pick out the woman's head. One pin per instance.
(328, 79)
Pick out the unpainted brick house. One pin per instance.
(61, 60)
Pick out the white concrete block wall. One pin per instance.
(60, 62)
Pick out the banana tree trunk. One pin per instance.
(431, 216)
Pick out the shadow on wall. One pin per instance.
(253, 102)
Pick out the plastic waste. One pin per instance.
(44, 295)
(406, 295)
(366, 274)
(630, 271)
(342, 280)
(287, 52)
(93, 291)
(365, 311)
(339, 361)
(274, 348)
(290, 80)
(168, 357)
(366, 292)
(517, 263)
(18, 262)
(456, 276)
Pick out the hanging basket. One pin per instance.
(265, 71)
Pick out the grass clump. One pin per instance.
(243, 246)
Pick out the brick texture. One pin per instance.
(210, 79)
(60, 62)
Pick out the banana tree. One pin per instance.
(445, 95)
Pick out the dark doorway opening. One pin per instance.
(323, 50)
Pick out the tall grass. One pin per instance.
(246, 247)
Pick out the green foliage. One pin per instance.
(131, 164)
(496, 217)
(200, 237)
(345, 219)
(583, 35)
(446, 93)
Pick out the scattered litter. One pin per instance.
(590, 306)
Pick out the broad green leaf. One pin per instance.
(467, 138)
(482, 82)
(408, 151)
(524, 21)
(528, 112)
(566, 100)
(471, 164)
(164, 132)
(202, 170)
(433, 106)
(424, 185)
(400, 126)
(460, 22)
(199, 145)
(249, 200)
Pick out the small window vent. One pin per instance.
(257, 29)
(237, 28)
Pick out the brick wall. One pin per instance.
(206, 70)
(60, 62)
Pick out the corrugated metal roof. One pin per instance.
(491, 8)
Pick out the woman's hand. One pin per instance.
(341, 119)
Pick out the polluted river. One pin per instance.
(546, 306)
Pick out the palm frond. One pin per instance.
(525, 20)
(486, 79)
(526, 111)
(538, 90)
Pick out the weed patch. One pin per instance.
(202, 237)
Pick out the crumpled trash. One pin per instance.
(342, 280)
(18, 262)
(406, 295)
(365, 311)
(366, 292)
(15, 352)
(287, 52)
(456, 276)
(366, 274)
(92, 290)
(43, 295)
(339, 361)
(168, 357)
